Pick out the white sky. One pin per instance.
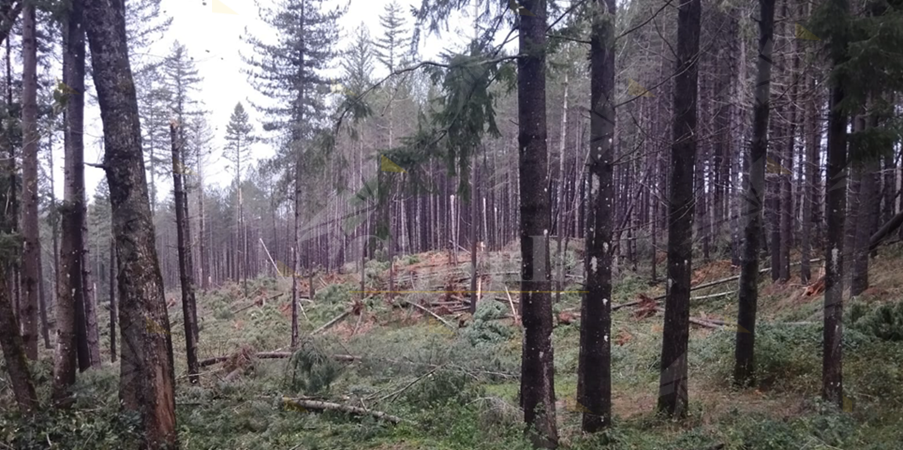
(214, 40)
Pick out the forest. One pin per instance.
(472, 224)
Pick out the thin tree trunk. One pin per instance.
(92, 331)
(786, 177)
(672, 397)
(474, 248)
(559, 201)
(31, 254)
(13, 198)
(868, 219)
(186, 263)
(537, 372)
(744, 362)
(810, 164)
(72, 337)
(594, 372)
(147, 379)
(114, 310)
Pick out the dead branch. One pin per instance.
(303, 405)
(436, 316)
(511, 303)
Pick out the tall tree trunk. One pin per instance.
(31, 254)
(594, 372)
(474, 247)
(786, 177)
(672, 397)
(560, 200)
(13, 198)
(186, 263)
(537, 371)
(147, 379)
(835, 199)
(744, 362)
(810, 169)
(72, 337)
(10, 340)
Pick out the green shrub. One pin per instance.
(486, 327)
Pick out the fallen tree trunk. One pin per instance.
(885, 230)
(733, 278)
(303, 405)
(272, 355)
(332, 322)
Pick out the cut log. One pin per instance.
(304, 405)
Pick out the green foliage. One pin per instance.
(467, 109)
(486, 327)
(312, 370)
(883, 322)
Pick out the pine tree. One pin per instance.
(288, 72)
(537, 379)
(238, 153)
(396, 37)
(673, 395)
(744, 366)
(594, 378)
(181, 81)
(147, 378)
(31, 254)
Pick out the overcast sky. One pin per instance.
(214, 40)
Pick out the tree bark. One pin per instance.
(594, 372)
(561, 216)
(474, 247)
(10, 340)
(810, 165)
(868, 218)
(744, 362)
(13, 347)
(186, 263)
(537, 371)
(835, 208)
(31, 254)
(72, 340)
(672, 398)
(147, 378)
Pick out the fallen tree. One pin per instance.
(885, 230)
(272, 355)
(303, 405)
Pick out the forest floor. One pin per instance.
(453, 382)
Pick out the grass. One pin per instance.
(459, 387)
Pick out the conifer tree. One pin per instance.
(287, 71)
(238, 153)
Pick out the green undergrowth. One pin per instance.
(457, 387)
